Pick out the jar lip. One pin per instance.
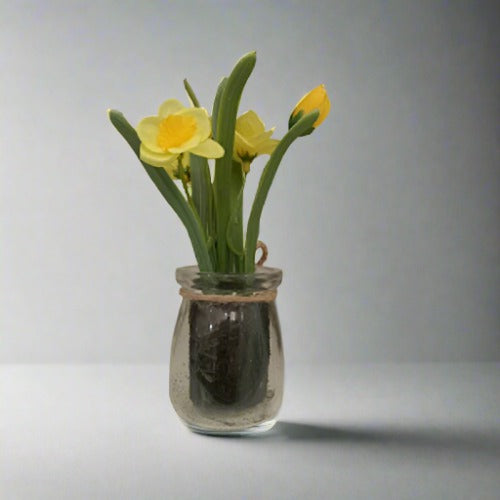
(264, 278)
(269, 272)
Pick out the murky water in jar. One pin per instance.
(226, 367)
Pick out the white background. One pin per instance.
(385, 220)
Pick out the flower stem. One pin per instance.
(265, 182)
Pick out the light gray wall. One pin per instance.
(385, 220)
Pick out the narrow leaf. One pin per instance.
(201, 184)
(169, 191)
(215, 109)
(191, 94)
(235, 224)
(226, 121)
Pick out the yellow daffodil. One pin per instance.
(251, 139)
(176, 130)
(315, 99)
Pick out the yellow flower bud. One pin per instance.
(315, 99)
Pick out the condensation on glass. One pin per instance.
(226, 364)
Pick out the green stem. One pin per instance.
(182, 178)
(266, 179)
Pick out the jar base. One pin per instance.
(256, 429)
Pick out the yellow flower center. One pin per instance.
(175, 130)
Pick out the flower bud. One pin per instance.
(315, 99)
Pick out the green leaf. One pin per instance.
(235, 225)
(191, 94)
(202, 193)
(226, 121)
(266, 179)
(169, 191)
(215, 109)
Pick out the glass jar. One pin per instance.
(226, 363)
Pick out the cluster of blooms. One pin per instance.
(176, 143)
(168, 138)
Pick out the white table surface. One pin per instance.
(428, 431)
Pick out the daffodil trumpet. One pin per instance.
(177, 144)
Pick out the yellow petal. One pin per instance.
(202, 132)
(155, 159)
(203, 125)
(267, 147)
(251, 139)
(249, 124)
(242, 141)
(169, 107)
(175, 131)
(324, 109)
(318, 99)
(242, 146)
(208, 149)
(171, 169)
(262, 137)
(147, 130)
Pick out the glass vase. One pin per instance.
(226, 363)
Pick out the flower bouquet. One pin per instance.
(226, 372)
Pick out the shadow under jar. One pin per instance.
(226, 362)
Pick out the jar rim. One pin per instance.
(264, 278)
(259, 270)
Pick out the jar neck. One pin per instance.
(263, 279)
